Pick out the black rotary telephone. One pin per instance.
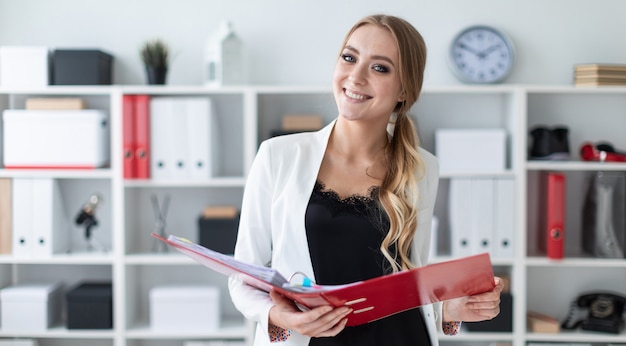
(602, 312)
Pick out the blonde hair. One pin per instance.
(399, 192)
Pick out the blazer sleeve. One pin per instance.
(254, 239)
(428, 186)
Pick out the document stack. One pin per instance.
(600, 74)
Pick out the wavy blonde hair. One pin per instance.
(399, 192)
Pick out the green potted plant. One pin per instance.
(155, 56)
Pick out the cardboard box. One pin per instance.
(90, 306)
(184, 308)
(542, 323)
(471, 150)
(72, 139)
(30, 307)
(24, 66)
(82, 67)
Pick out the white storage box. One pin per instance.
(471, 150)
(55, 138)
(24, 66)
(184, 308)
(33, 307)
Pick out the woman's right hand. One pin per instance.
(318, 322)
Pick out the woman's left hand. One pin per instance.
(480, 307)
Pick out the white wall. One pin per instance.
(296, 42)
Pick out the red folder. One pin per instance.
(371, 299)
(128, 136)
(553, 229)
(142, 136)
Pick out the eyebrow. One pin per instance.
(375, 57)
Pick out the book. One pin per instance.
(601, 67)
(371, 299)
(55, 103)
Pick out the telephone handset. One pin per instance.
(602, 312)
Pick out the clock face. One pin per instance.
(481, 54)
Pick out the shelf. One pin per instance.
(230, 329)
(578, 336)
(505, 174)
(171, 258)
(213, 182)
(464, 336)
(100, 173)
(575, 166)
(577, 262)
(77, 259)
(61, 332)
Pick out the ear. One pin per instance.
(402, 96)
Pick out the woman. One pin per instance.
(350, 202)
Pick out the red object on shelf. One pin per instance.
(128, 136)
(142, 136)
(589, 152)
(552, 231)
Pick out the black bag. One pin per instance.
(604, 220)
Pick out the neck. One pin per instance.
(359, 140)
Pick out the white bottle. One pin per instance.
(223, 58)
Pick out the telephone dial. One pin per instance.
(602, 312)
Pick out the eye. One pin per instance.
(380, 68)
(348, 58)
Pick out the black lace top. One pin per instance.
(344, 237)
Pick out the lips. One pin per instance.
(355, 96)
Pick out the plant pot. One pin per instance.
(156, 75)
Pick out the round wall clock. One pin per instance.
(481, 54)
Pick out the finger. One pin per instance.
(499, 284)
(322, 325)
(338, 327)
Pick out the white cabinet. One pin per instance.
(248, 115)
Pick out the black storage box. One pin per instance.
(81, 67)
(90, 306)
(501, 323)
(218, 234)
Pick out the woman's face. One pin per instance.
(366, 81)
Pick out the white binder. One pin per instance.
(504, 217)
(178, 154)
(23, 199)
(40, 224)
(202, 138)
(459, 212)
(160, 137)
(50, 221)
(482, 214)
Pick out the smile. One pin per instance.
(355, 96)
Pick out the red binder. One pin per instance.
(142, 136)
(128, 136)
(370, 299)
(552, 232)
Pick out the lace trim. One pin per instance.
(372, 194)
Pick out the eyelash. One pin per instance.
(378, 68)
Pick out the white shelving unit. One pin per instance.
(247, 115)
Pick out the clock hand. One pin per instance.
(467, 48)
(483, 54)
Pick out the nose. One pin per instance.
(358, 74)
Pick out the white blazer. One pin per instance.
(272, 231)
